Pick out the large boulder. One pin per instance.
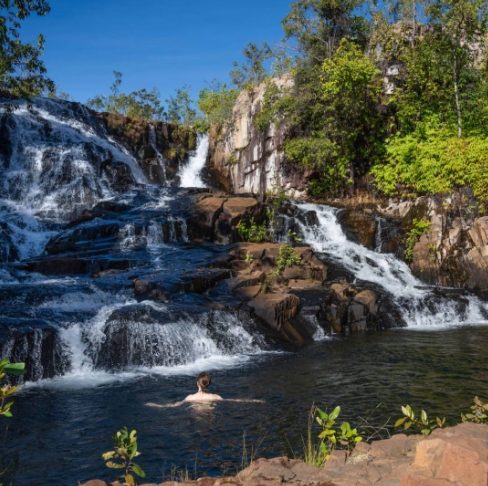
(275, 309)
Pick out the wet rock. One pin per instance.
(359, 225)
(370, 299)
(203, 217)
(144, 290)
(204, 279)
(37, 344)
(275, 309)
(8, 250)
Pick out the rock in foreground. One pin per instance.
(456, 456)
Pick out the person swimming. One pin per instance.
(202, 396)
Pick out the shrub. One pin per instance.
(125, 449)
(419, 227)
(253, 232)
(422, 423)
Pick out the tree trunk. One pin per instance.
(456, 97)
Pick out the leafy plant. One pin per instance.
(253, 232)
(421, 423)
(7, 390)
(125, 449)
(293, 237)
(478, 414)
(286, 257)
(345, 437)
(419, 227)
(249, 258)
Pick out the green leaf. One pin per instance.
(335, 413)
(400, 421)
(16, 369)
(137, 469)
(423, 416)
(129, 479)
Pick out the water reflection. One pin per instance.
(60, 434)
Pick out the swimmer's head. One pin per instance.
(203, 381)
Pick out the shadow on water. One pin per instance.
(59, 432)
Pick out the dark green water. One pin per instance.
(59, 433)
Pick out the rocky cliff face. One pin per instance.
(244, 160)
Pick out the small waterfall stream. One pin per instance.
(419, 305)
(190, 173)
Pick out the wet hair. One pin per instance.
(204, 381)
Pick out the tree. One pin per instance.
(318, 26)
(22, 73)
(349, 130)
(253, 71)
(141, 104)
(216, 103)
(181, 108)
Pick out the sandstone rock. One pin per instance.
(343, 291)
(370, 299)
(359, 226)
(237, 207)
(244, 160)
(203, 217)
(245, 294)
(275, 309)
(357, 317)
(246, 280)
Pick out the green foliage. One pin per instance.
(22, 72)
(432, 160)
(419, 227)
(249, 258)
(216, 103)
(125, 449)
(7, 390)
(330, 436)
(253, 232)
(181, 109)
(478, 414)
(318, 26)
(253, 71)
(287, 257)
(142, 104)
(338, 130)
(421, 423)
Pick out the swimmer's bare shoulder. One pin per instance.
(203, 397)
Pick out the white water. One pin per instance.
(190, 173)
(418, 305)
(53, 170)
(182, 347)
(159, 155)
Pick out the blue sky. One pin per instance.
(154, 43)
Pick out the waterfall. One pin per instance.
(133, 339)
(417, 302)
(190, 173)
(159, 156)
(53, 165)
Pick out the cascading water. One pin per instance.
(190, 173)
(159, 155)
(418, 304)
(53, 166)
